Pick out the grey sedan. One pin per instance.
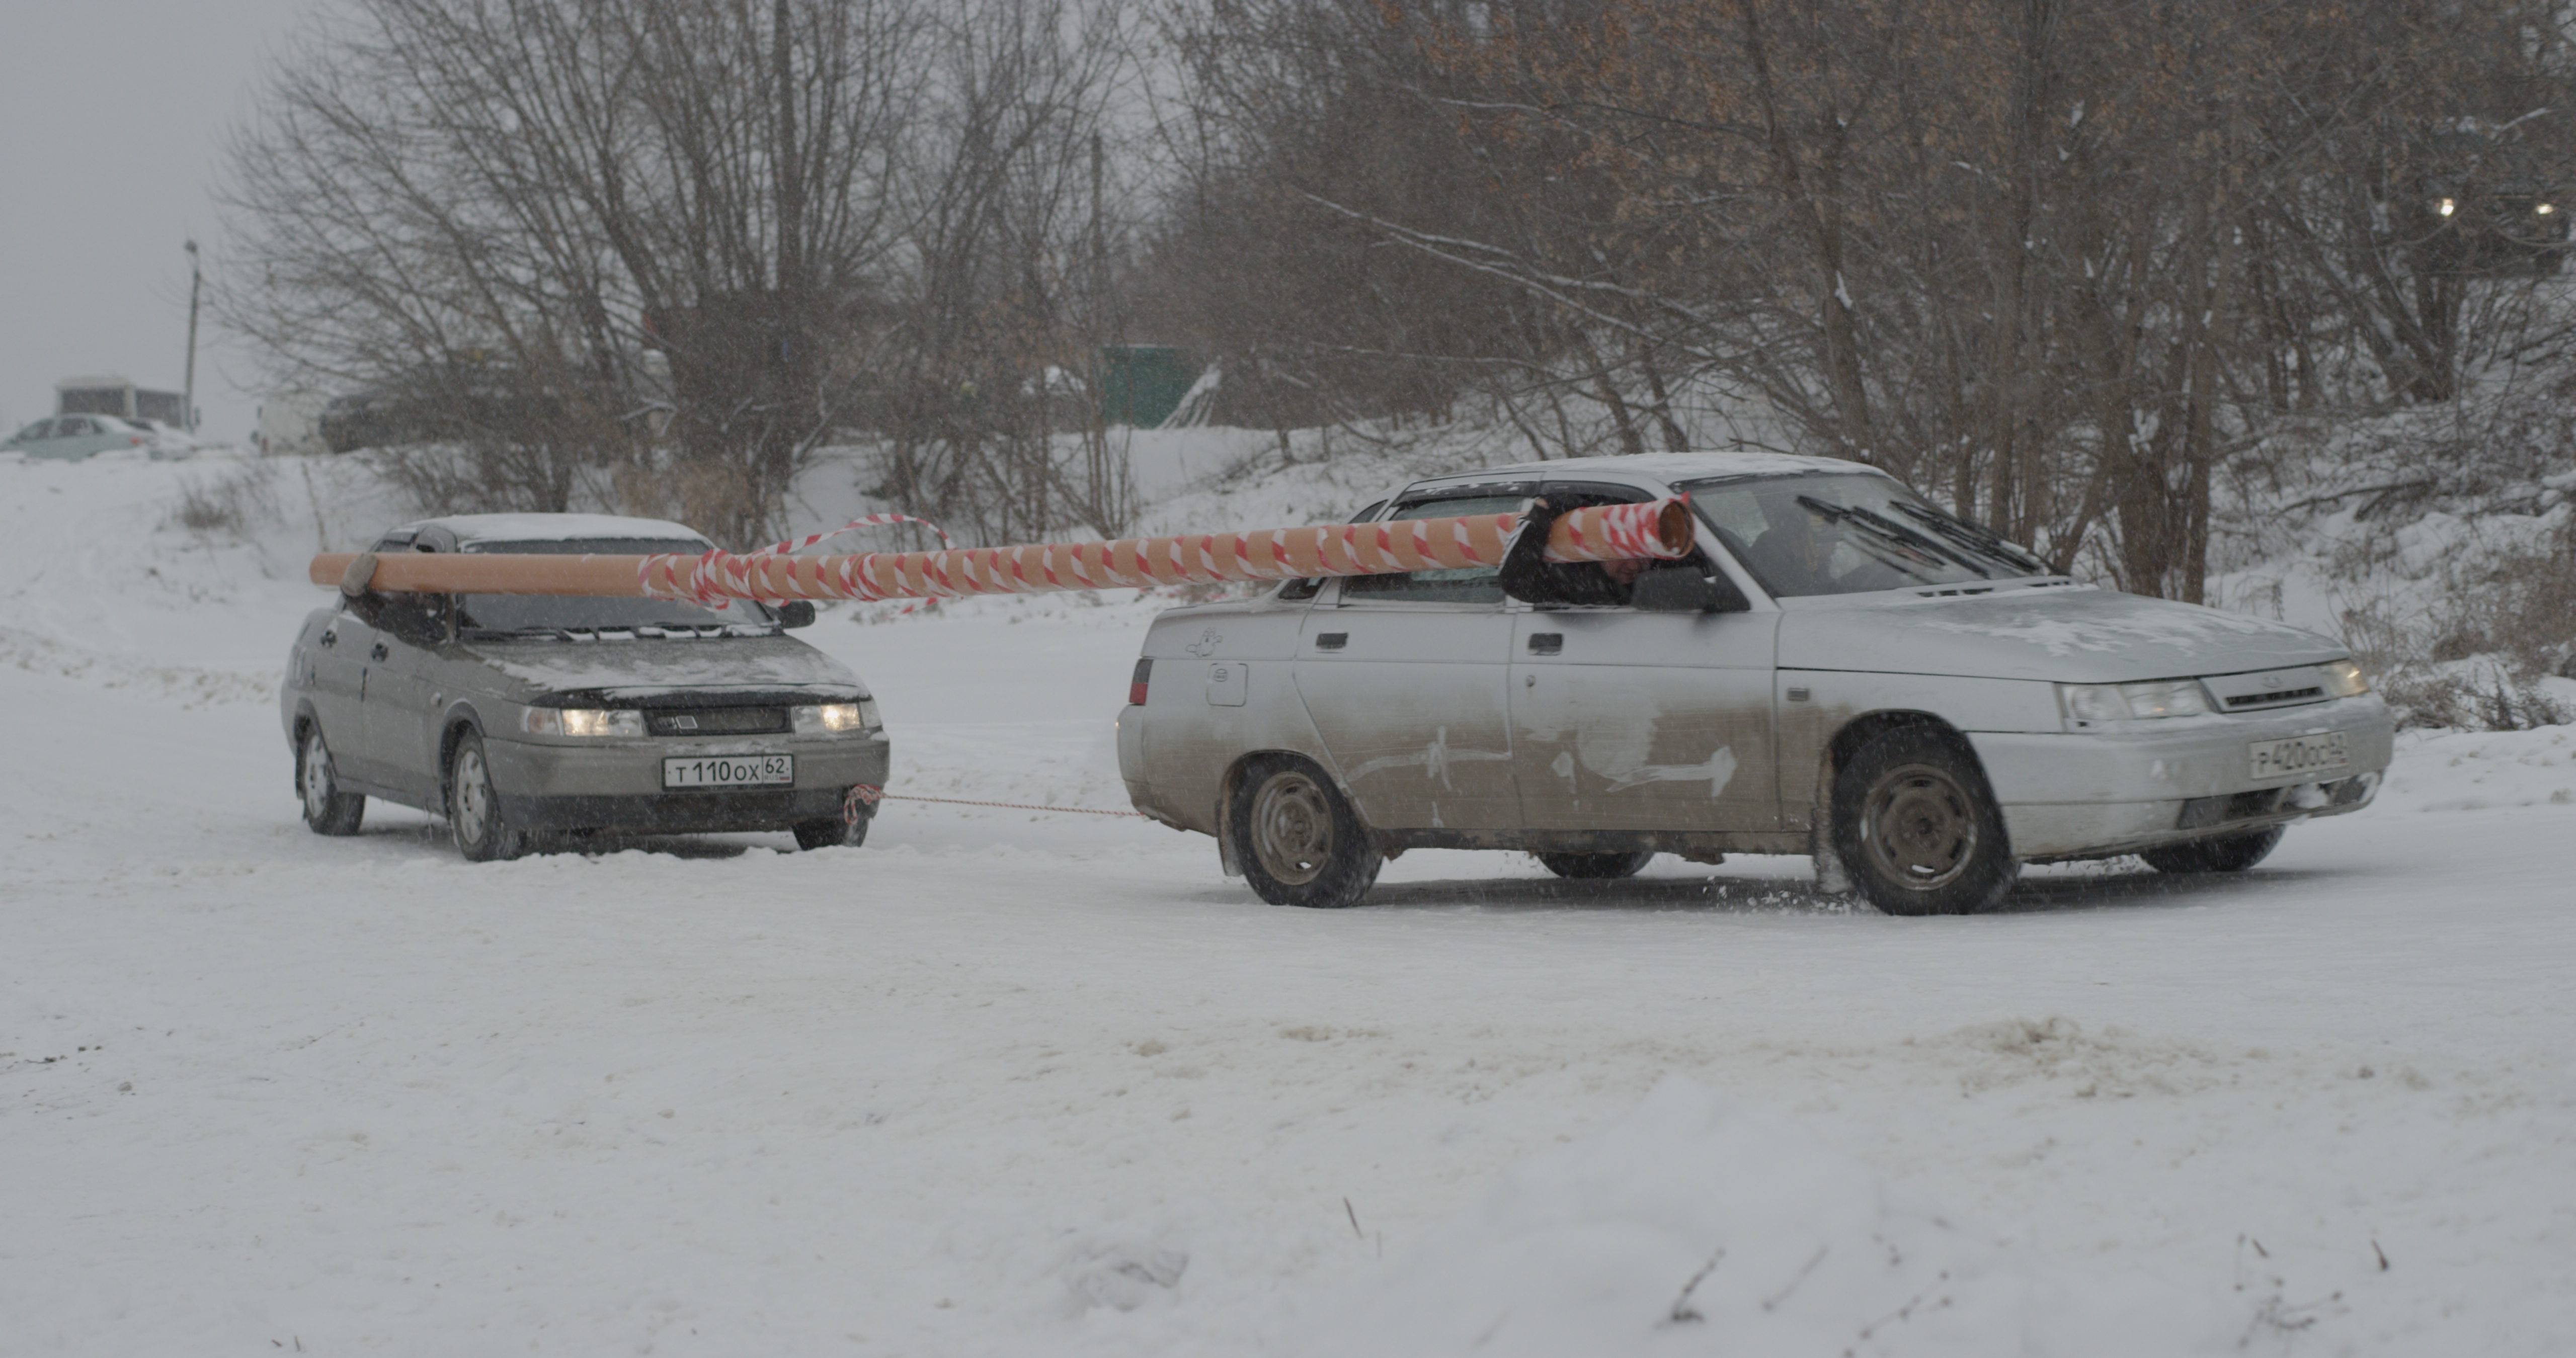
(519, 717)
(1840, 669)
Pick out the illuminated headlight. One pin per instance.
(580, 721)
(2544, 209)
(2446, 207)
(2344, 679)
(816, 719)
(2086, 703)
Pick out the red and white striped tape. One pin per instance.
(1599, 533)
(717, 577)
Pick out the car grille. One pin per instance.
(2287, 695)
(716, 721)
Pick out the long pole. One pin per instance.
(1659, 529)
(188, 397)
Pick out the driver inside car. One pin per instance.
(1530, 577)
(1795, 554)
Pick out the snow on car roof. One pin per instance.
(471, 529)
(1665, 467)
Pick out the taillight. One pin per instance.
(1136, 685)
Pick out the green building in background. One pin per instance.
(1142, 384)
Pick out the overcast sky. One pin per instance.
(113, 115)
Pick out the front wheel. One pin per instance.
(1598, 867)
(327, 809)
(1297, 839)
(1916, 826)
(482, 830)
(2223, 853)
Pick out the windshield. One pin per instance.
(1849, 533)
(562, 613)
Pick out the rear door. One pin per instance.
(1623, 720)
(1403, 676)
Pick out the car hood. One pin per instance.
(646, 667)
(2077, 634)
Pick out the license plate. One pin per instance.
(2306, 756)
(729, 770)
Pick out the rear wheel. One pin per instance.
(1916, 826)
(2224, 853)
(1596, 866)
(327, 809)
(1297, 839)
(474, 816)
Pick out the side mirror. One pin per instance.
(1686, 591)
(795, 613)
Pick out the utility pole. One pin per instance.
(188, 399)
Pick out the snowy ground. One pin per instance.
(1008, 1083)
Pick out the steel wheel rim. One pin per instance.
(317, 776)
(473, 797)
(1920, 827)
(1292, 828)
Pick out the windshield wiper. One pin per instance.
(1893, 531)
(1974, 537)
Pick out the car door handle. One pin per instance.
(1331, 641)
(378, 652)
(1547, 643)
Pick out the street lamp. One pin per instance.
(188, 397)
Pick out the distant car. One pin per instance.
(70, 438)
(523, 717)
(168, 442)
(1841, 669)
(363, 419)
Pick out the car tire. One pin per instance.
(482, 830)
(1596, 867)
(837, 831)
(327, 809)
(1917, 827)
(2219, 853)
(1297, 839)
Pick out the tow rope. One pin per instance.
(871, 794)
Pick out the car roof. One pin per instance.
(472, 530)
(1651, 469)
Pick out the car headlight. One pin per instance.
(2088, 703)
(580, 721)
(814, 719)
(2344, 679)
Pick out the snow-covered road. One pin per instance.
(1011, 1083)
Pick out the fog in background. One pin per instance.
(113, 116)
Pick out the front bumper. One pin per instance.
(2092, 794)
(617, 785)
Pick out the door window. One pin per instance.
(1464, 585)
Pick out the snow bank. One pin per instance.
(1695, 1226)
(2482, 770)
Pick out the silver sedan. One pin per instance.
(521, 717)
(1841, 669)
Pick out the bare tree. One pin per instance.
(631, 246)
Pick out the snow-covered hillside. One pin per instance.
(1005, 1082)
